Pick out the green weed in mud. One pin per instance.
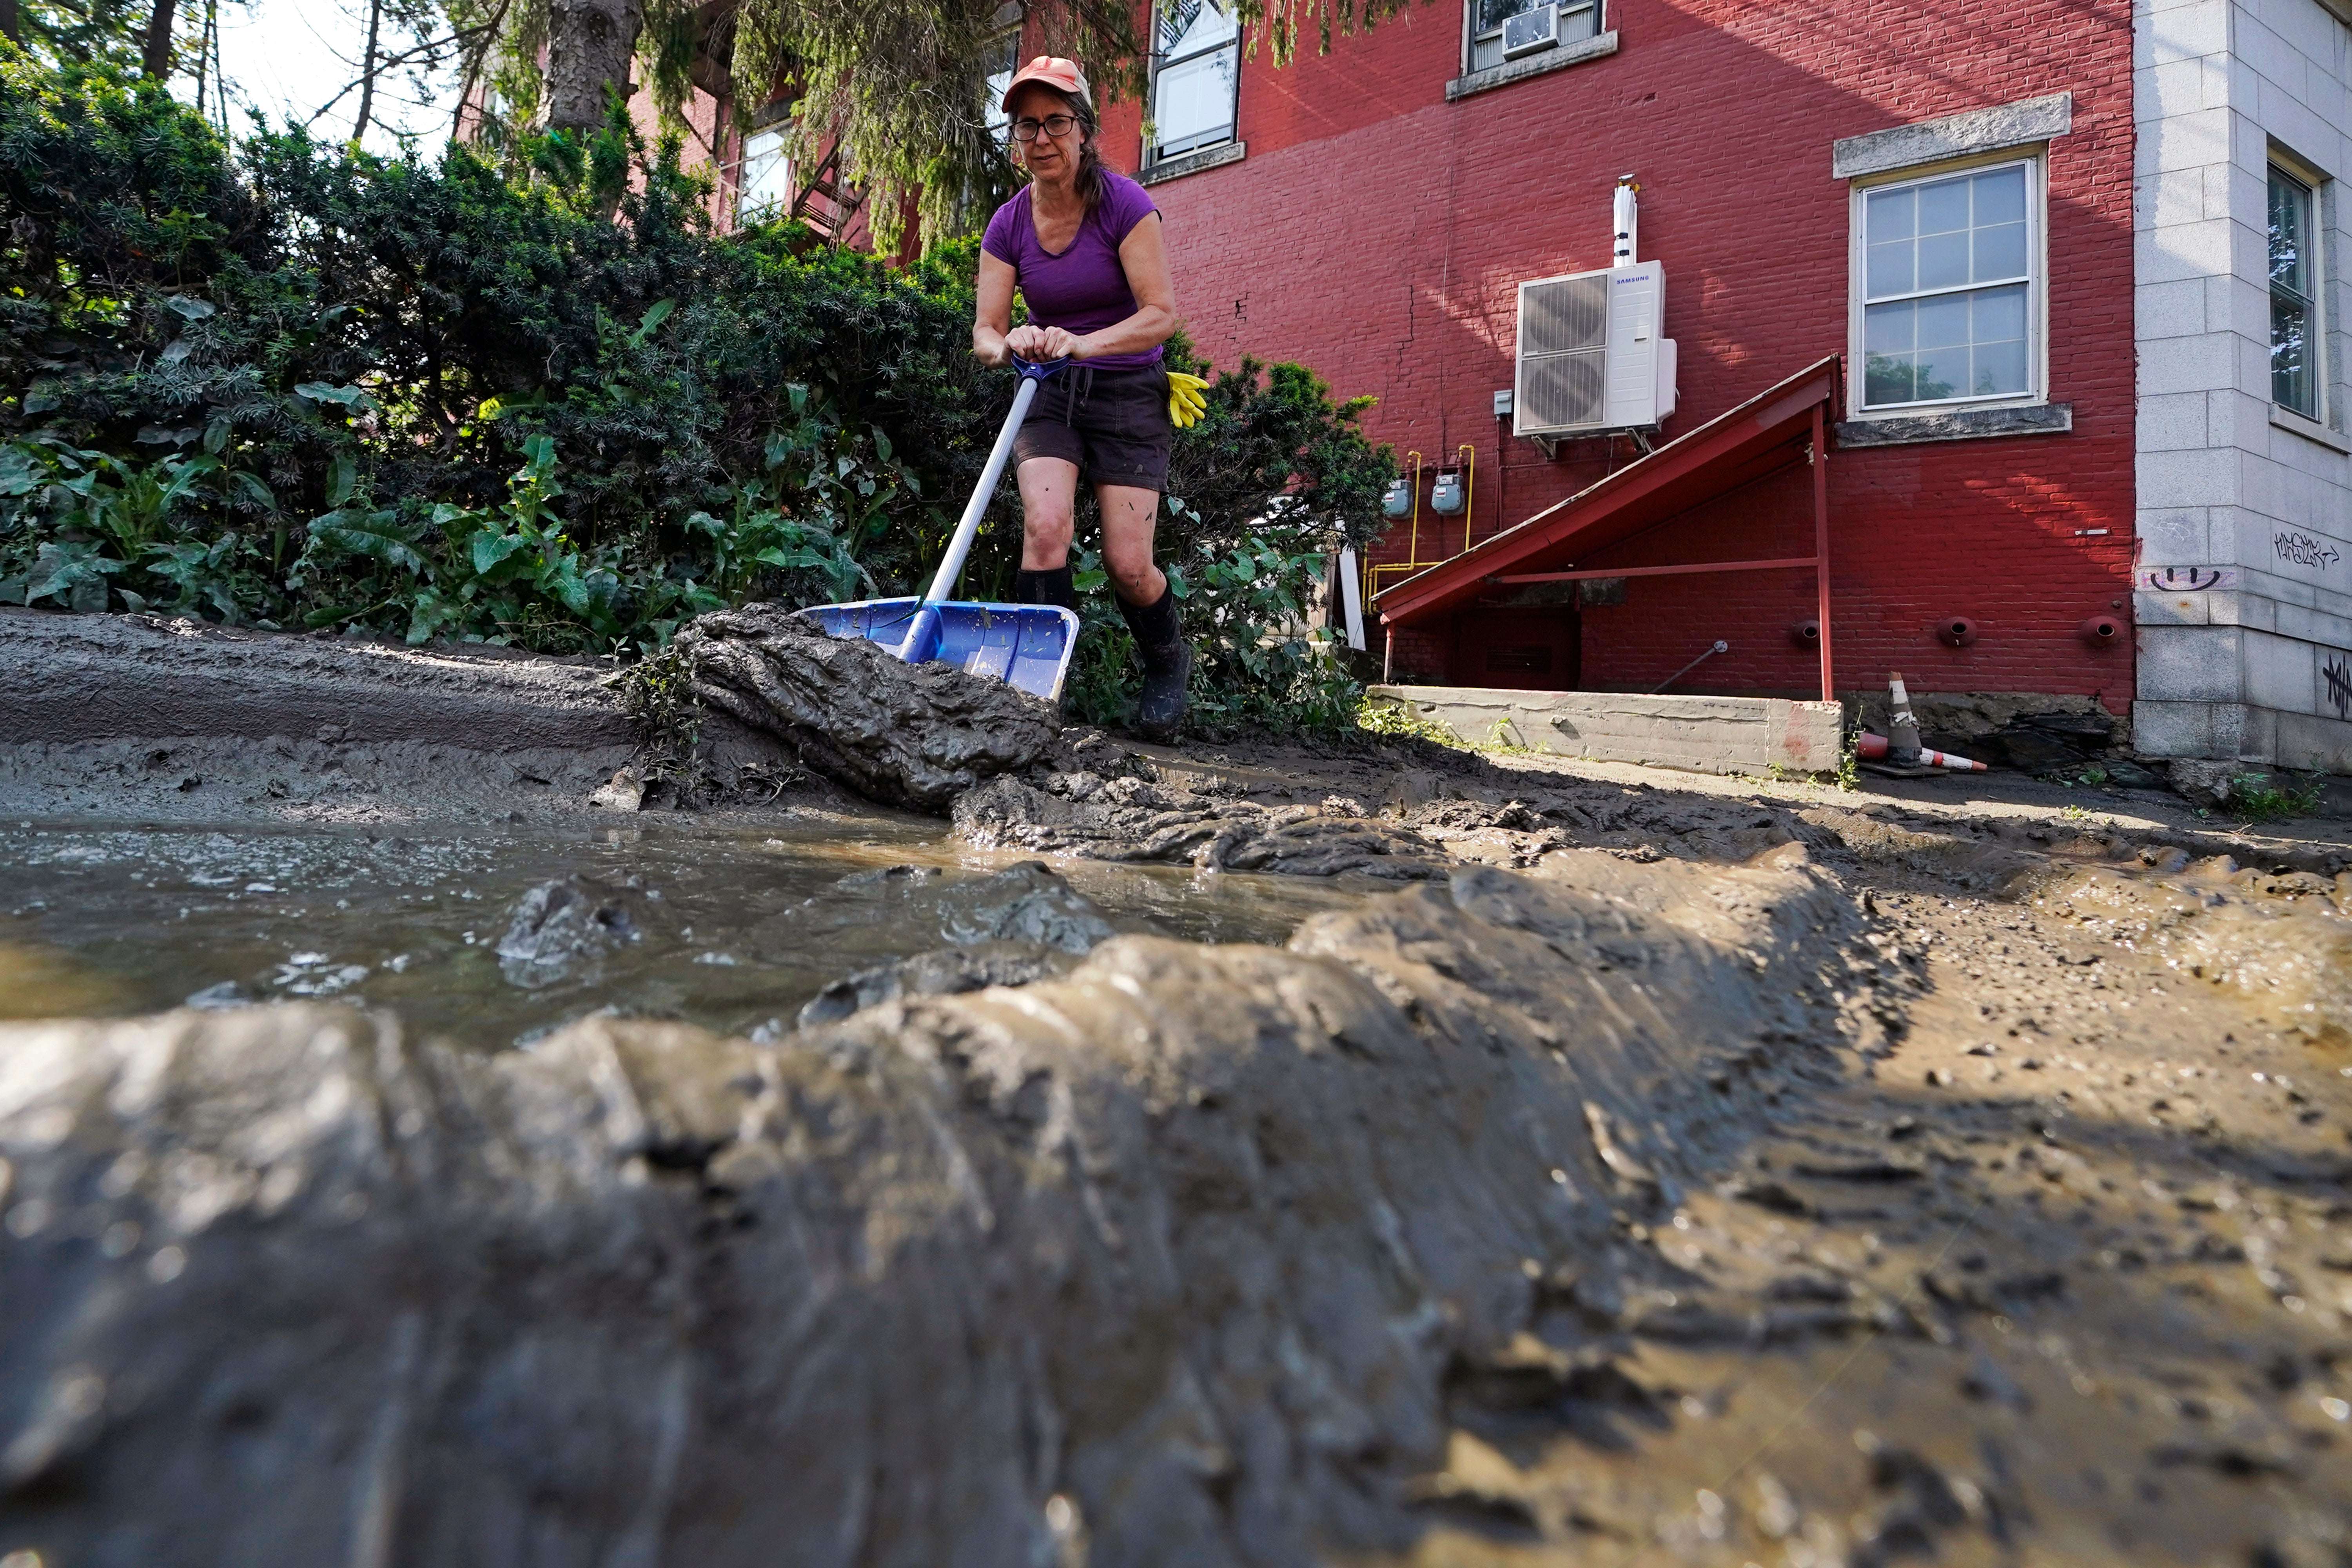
(505, 397)
(658, 695)
(1380, 717)
(2258, 797)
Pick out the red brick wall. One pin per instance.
(1376, 232)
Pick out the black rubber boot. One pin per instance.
(1167, 666)
(1052, 587)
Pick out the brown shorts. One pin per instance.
(1112, 423)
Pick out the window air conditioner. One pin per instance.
(1590, 356)
(1530, 32)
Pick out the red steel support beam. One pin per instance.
(1789, 563)
(1820, 456)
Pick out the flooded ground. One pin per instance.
(733, 928)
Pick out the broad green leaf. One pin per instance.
(327, 392)
(18, 477)
(251, 487)
(343, 477)
(374, 536)
(490, 549)
(653, 317)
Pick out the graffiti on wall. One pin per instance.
(2338, 675)
(2188, 579)
(2302, 549)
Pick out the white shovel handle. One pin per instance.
(952, 567)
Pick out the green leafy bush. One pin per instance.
(540, 403)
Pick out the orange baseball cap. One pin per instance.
(1053, 71)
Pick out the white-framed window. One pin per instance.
(2297, 334)
(1196, 75)
(763, 180)
(1947, 287)
(1483, 23)
(1003, 55)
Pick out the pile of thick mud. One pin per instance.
(909, 735)
(1176, 1257)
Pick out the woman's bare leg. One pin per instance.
(1130, 516)
(1049, 493)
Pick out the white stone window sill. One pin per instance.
(1956, 424)
(1215, 157)
(1595, 48)
(2309, 429)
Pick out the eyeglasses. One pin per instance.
(1025, 130)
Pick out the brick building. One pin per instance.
(1374, 211)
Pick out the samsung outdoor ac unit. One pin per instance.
(1530, 32)
(1590, 356)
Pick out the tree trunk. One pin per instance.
(156, 59)
(367, 73)
(589, 44)
(8, 22)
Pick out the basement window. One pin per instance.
(1947, 288)
(1574, 22)
(1195, 79)
(2294, 308)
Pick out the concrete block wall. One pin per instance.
(2231, 492)
(1732, 735)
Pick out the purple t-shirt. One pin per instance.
(1084, 288)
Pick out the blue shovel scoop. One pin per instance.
(1027, 647)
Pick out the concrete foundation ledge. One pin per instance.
(1704, 735)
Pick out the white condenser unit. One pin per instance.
(1591, 358)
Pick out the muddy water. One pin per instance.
(733, 929)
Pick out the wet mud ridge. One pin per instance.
(142, 716)
(1194, 1240)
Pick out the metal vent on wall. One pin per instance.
(1564, 315)
(1558, 390)
(1563, 339)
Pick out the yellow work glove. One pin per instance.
(1186, 398)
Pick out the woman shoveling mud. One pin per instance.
(1084, 246)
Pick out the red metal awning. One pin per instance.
(1763, 435)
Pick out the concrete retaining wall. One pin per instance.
(1706, 734)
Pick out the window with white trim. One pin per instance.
(764, 182)
(1003, 57)
(1947, 287)
(1195, 79)
(2295, 336)
(1572, 21)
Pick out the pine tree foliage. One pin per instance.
(900, 85)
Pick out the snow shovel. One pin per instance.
(1027, 647)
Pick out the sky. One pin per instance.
(290, 57)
